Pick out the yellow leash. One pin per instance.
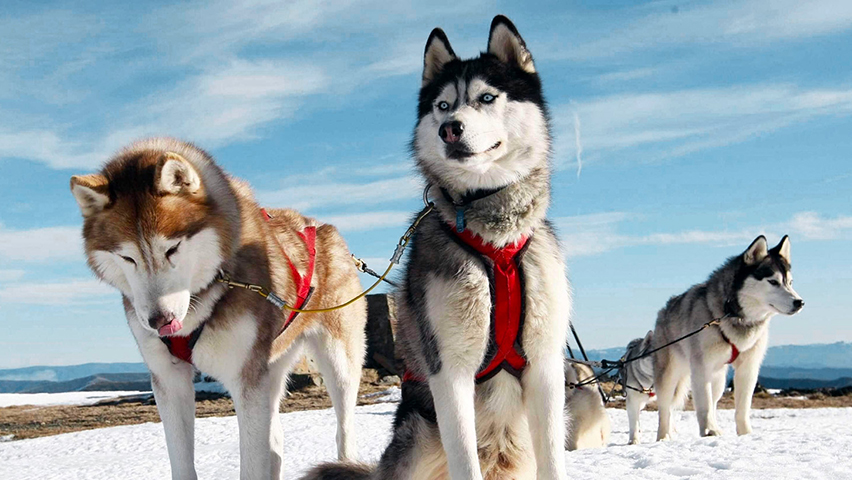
(280, 303)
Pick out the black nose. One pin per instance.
(451, 132)
(158, 319)
(798, 304)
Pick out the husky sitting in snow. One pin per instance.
(588, 423)
(483, 310)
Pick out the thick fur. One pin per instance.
(750, 288)
(588, 423)
(450, 427)
(160, 221)
(637, 380)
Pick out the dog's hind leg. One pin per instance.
(175, 396)
(340, 363)
(635, 404)
(666, 381)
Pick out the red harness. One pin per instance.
(507, 311)
(735, 352)
(181, 346)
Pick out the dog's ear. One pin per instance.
(175, 175)
(91, 193)
(438, 53)
(756, 252)
(783, 249)
(648, 337)
(505, 43)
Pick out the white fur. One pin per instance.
(518, 126)
(154, 283)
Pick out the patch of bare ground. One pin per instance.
(27, 421)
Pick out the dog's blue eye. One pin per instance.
(443, 106)
(487, 98)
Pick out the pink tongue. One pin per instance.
(170, 328)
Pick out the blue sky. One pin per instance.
(681, 131)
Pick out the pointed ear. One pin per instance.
(756, 252)
(505, 43)
(783, 249)
(648, 337)
(91, 193)
(438, 53)
(176, 175)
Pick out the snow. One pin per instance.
(65, 398)
(787, 443)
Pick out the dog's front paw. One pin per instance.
(712, 432)
(743, 429)
(634, 441)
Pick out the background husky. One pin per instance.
(747, 290)
(637, 381)
(161, 221)
(588, 423)
(482, 138)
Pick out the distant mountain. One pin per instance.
(71, 372)
(103, 382)
(816, 356)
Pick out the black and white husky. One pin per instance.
(483, 312)
(745, 293)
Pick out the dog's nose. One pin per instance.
(798, 304)
(451, 132)
(158, 319)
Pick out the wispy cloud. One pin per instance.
(671, 124)
(593, 234)
(814, 226)
(357, 222)
(71, 292)
(753, 23)
(41, 245)
(312, 196)
(11, 275)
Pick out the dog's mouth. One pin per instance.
(460, 153)
(170, 328)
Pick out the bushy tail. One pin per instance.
(340, 471)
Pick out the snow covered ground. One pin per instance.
(65, 398)
(788, 443)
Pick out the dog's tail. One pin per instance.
(340, 471)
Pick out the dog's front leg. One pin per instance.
(544, 400)
(175, 396)
(453, 391)
(255, 410)
(746, 369)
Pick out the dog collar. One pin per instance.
(464, 202)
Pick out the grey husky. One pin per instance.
(482, 143)
(637, 382)
(744, 293)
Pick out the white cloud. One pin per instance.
(72, 292)
(586, 235)
(812, 226)
(676, 123)
(357, 222)
(311, 196)
(749, 24)
(41, 244)
(11, 275)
